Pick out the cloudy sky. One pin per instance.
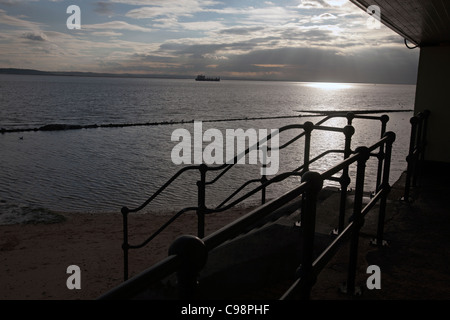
(299, 40)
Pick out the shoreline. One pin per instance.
(34, 257)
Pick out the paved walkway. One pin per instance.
(415, 265)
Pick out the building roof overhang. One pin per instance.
(421, 22)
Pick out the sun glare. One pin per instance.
(337, 3)
(328, 85)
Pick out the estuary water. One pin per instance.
(112, 163)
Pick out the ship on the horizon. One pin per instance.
(202, 77)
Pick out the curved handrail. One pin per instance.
(172, 263)
(275, 179)
(227, 166)
(294, 173)
(308, 127)
(161, 189)
(349, 115)
(164, 226)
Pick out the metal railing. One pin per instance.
(188, 254)
(311, 267)
(202, 210)
(416, 154)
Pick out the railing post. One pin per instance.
(386, 188)
(345, 178)
(125, 245)
(263, 150)
(358, 219)
(350, 116)
(308, 228)
(384, 120)
(308, 127)
(410, 157)
(193, 254)
(263, 191)
(201, 203)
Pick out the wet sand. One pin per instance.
(34, 257)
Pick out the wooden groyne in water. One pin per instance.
(62, 127)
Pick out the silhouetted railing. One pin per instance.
(202, 210)
(416, 155)
(310, 267)
(188, 254)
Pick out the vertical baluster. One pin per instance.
(201, 187)
(384, 120)
(125, 245)
(308, 127)
(358, 220)
(308, 227)
(386, 188)
(410, 157)
(263, 149)
(345, 178)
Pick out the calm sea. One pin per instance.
(104, 168)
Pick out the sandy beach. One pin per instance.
(34, 257)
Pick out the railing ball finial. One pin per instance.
(191, 250)
(384, 118)
(350, 116)
(414, 120)
(364, 151)
(308, 126)
(315, 180)
(391, 136)
(203, 167)
(349, 130)
(193, 254)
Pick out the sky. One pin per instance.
(292, 40)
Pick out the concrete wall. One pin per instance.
(433, 93)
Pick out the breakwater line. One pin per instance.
(62, 127)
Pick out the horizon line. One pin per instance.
(24, 71)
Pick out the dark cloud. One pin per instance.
(241, 31)
(374, 65)
(377, 65)
(34, 36)
(102, 7)
(152, 58)
(200, 50)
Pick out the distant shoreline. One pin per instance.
(33, 72)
